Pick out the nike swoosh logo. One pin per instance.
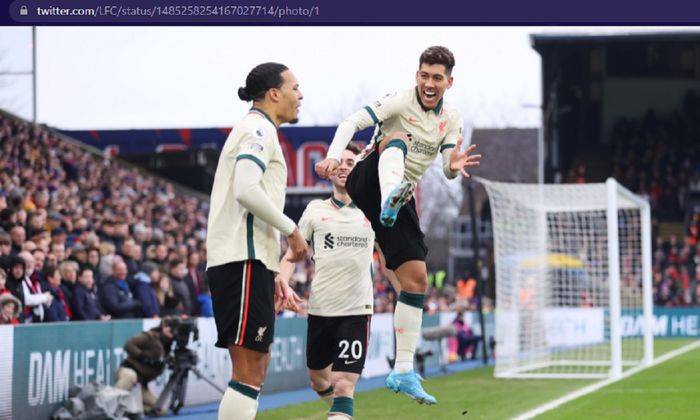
(349, 363)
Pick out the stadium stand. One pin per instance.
(60, 201)
(658, 156)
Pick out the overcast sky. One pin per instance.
(171, 77)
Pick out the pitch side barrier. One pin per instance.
(39, 363)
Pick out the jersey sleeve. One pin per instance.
(305, 223)
(372, 114)
(454, 132)
(257, 145)
(387, 106)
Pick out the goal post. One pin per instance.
(573, 279)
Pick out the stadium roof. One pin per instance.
(539, 40)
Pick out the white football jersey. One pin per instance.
(343, 243)
(233, 233)
(433, 131)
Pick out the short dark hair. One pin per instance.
(84, 269)
(353, 148)
(174, 263)
(50, 270)
(262, 78)
(438, 55)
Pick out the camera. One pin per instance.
(181, 362)
(182, 330)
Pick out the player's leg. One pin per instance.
(395, 191)
(321, 383)
(408, 318)
(344, 387)
(243, 300)
(240, 401)
(319, 356)
(405, 253)
(389, 273)
(350, 352)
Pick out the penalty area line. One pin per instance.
(598, 385)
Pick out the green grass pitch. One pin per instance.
(670, 390)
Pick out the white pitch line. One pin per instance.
(598, 385)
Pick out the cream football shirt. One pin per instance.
(233, 233)
(433, 131)
(343, 244)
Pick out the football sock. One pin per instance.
(391, 167)
(408, 318)
(240, 402)
(342, 409)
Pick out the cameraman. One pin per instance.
(146, 355)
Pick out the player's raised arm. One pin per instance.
(343, 134)
(460, 160)
(370, 115)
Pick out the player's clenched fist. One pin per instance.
(326, 167)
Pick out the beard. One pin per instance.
(294, 120)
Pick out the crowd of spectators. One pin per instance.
(658, 156)
(677, 271)
(83, 237)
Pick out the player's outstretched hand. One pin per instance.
(326, 167)
(459, 159)
(279, 292)
(285, 297)
(297, 246)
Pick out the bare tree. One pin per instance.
(440, 201)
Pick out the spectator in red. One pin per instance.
(10, 309)
(35, 298)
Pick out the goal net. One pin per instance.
(573, 279)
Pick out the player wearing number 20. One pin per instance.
(341, 301)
